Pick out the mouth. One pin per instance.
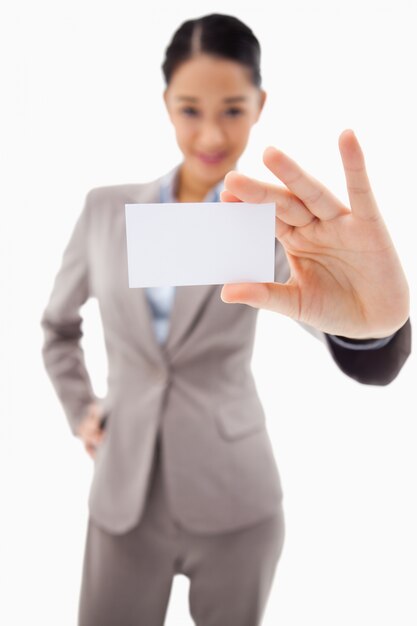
(211, 159)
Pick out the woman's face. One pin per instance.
(212, 105)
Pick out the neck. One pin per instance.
(190, 189)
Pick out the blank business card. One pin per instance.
(202, 243)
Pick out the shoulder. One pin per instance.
(123, 193)
(106, 203)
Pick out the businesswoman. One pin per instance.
(185, 479)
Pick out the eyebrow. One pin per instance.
(225, 100)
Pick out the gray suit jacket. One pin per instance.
(198, 387)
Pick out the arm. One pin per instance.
(62, 353)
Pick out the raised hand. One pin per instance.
(346, 277)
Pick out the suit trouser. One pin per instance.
(127, 578)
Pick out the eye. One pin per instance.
(189, 111)
(234, 112)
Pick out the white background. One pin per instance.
(82, 107)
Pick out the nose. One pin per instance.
(211, 137)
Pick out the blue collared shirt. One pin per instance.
(161, 298)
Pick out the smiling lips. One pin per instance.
(211, 159)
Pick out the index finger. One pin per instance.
(315, 196)
(288, 207)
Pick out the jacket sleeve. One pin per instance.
(369, 362)
(62, 353)
(373, 366)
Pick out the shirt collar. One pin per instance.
(168, 183)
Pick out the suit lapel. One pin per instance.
(188, 302)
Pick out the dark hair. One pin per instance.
(222, 36)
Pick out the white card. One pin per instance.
(201, 243)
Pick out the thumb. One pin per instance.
(278, 297)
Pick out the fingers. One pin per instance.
(309, 198)
(277, 297)
(90, 431)
(92, 440)
(315, 196)
(281, 228)
(226, 196)
(91, 449)
(288, 208)
(361, 198)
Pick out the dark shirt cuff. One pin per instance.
(361, 344)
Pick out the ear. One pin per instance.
(165, 97)
(262, 99)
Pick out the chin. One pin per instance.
(213, 172)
